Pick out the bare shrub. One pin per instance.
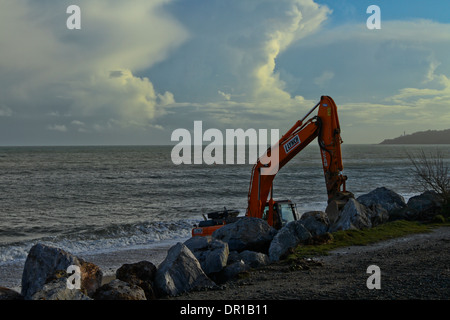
(432, 174)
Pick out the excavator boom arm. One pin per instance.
(325, 127)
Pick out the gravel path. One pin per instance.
(413, 267)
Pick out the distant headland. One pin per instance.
(422, 137)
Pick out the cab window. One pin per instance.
(286, 213)
(266, 211)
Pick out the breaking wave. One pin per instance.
(101, 240)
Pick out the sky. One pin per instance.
(138, 70)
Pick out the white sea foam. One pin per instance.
(113, 238)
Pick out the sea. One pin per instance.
(117, 204)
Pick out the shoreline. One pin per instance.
(415, 266)
(109, 262)
(412, 267)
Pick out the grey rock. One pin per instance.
(44, 261)
(424, 206)
(141, 274)
(119, 290)
(233, 257)
(336, 205)
(58, 290)
(399, 214)
(353, 216)
(246, 234)
(288, 237)
(379, 215)
(232, 270)
(316, 222)
(386, 198)
(211, 253)
(181, 272)
(254, 259)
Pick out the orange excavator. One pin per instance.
(325, 127)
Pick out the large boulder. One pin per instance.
(57, 290)
(254, 259)
(336, 205)
(252, 234)
(141, 274)
(354, 215)
(424, 206)
(119, 290)
(384, 197)
(288, 237)
(181, 272)
(211, 253)
(239, 262)
(232, 271)
(379, 215)
(316, 222)
(44, 261)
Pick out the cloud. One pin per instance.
(300, 20)
(383, 81)
(226, 96)
(230, 66)
(103, 75)
(57, 127)
(158, 65)
(5, 111)
(366, 63)
(78, 123)
(87, 73)
(324, 78)
(430, 76)
(126, 99)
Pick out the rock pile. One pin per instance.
(203, 263)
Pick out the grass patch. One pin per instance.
(364, 237)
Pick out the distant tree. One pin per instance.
(432, 174)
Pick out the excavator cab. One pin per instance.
(284, 211)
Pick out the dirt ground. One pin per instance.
(413, 267)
